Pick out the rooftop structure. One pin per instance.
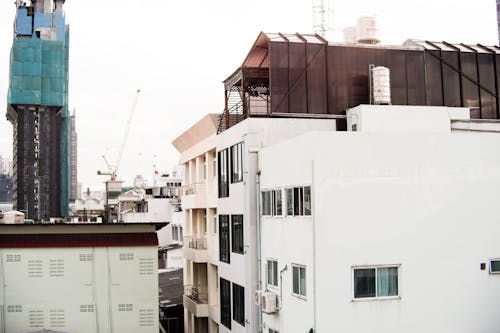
(300, 75)
(38, 109)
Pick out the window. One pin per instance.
(372, 282)
(298, 201)
(495, 266)
(223, 172)
(273, 331)
(225, 303)
(239, 304)
(272, 273)
(237, 232)
(271, 203)
(237, 163)
(215, 224)
(299, 280)
(224, 238)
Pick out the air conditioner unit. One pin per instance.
(257, 296)
(269, 302)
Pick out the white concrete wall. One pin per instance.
(101, 280)
(427, 202)
(256, 133)
(159, 210)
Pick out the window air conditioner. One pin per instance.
(269, 302)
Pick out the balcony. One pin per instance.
(196, 300)
(194, 196)
(195, 249)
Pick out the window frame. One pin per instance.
(223, 173)
(224, 244)
(239, 304)
(490, 268)
(270, 263)
(300, 294)
(296, 203)
(236, 156)
(225, 302)
(272, 203)
(237, 236)
(376, 298)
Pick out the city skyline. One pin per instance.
(165, 53)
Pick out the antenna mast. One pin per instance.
(323, 18)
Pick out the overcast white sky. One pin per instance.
(179, 52)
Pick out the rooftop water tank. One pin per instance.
(349, 35)
(381, 85)
(367, 31)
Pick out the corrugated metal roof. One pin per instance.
(445, 46)
(77, 240)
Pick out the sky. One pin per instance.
(179, 52)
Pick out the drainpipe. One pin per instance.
(3, 316)
(313, 217)
(258, 227)
(281, 297)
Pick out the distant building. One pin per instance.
(37, 107)
(73, 158)
(6, 188)
(79, 278)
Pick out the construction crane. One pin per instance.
(323, 18)
(112, 169)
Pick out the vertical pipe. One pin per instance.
(3, 314)
(313, 218)
(478, 85)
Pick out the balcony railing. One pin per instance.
(193, 188)
(197, 293)
(195, 243)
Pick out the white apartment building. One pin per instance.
(78, 278)
(197, 147)
(392, 227)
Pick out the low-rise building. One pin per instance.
(79, 278)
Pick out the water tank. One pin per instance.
(367, 31)
(349, 35)
(381, 85)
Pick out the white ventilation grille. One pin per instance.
(146, 317)
(126, 256)
(14, 308)
(13, 258)
(125, 307)
(87, 308)
(57, 318)
(35, 268)
(86, 257)
(56, 267)
(146, 266)
(36, 318)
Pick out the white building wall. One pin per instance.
(256, 133)
(80, 289)
(427, 202)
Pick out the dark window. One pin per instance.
(237, 231)
(224, 238)
(223, 173)
(298, 201)
(299, 280)
(239, 304)
(495, 266)
(237, 163)
(272, 273)
(271, 203)
(225, 303)
(376, 282)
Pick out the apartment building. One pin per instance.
(388, 228)
(291, 85)
(197, 147)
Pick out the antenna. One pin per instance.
(323, 18)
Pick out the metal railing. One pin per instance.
(197, 293)
(193, 188)
(195, 243)
(253, 105)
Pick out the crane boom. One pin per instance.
(127, 130)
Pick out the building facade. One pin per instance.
(74, 195)
(38, 110)
(197, 147)
(376, 229)
(79, 278)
